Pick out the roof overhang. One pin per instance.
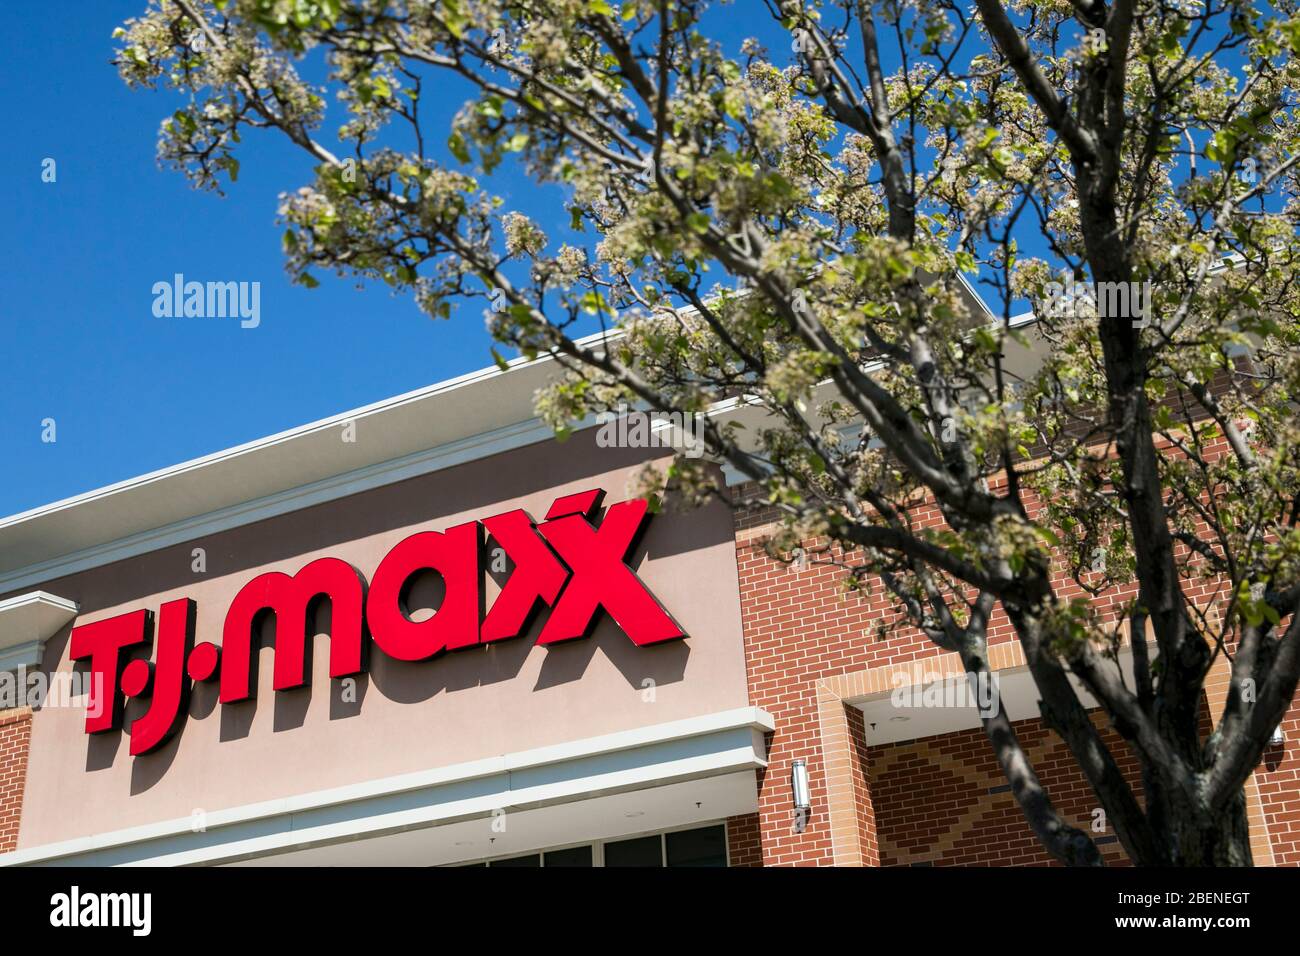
(935, 702)
(465, 418)
(27, 621)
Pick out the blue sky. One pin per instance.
(130, 392)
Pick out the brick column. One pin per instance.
(15, 738)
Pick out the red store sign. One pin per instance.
(566, 563)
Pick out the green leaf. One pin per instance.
(456, 143)
(1048, 535)
(454, 19)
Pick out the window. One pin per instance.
(643, 851)
(706, 846)
(573, 856)
(698, 846)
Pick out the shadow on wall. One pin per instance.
(404, 682)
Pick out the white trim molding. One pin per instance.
(27, 621)
(460, 419)
(648, 757)
(378, 475)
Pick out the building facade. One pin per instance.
(427, 633)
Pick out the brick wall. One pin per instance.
(743, 846)
(944, 800)
(1278, 777)
(15, 735)
(860, 762)
(801, 628)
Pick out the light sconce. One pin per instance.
(801, 794)
(1277, 737)
(799, 785)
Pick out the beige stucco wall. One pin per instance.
(470, 704)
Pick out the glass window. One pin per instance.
(706, 846)
(573, 856)
(702, 846)
(643, 851)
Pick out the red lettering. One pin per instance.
(291, 599)
(170, 689)
(536, 579)
(600, 578)
(454, 554)
(567, 563)
(102, 643)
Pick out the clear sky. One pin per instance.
(129, 392)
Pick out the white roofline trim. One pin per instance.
(449, 455)
(323, 424)
(27, 621)
(239, 450)
(460, 450)
(38, 597)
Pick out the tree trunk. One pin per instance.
(1193, 835)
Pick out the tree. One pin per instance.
(1128, 167)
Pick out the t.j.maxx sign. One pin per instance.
(567, 563)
